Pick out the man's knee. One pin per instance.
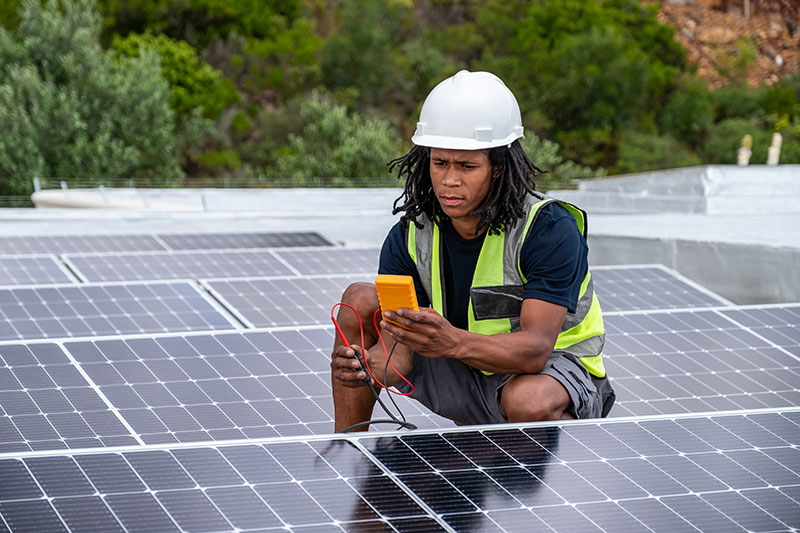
(534, 398)
(364, 298)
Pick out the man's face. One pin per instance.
(461, 180)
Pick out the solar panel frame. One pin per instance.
(649, 285)
(31, 307)
(33, 269)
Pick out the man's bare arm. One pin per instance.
(522, 352)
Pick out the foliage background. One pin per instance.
(325, 92)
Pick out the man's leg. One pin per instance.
(352, 400)
(534, 398)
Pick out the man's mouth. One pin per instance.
(451, 200)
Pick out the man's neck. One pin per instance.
(465, 226)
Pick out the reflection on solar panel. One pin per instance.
(332, 261)
(208, 241)
(177, 265)
(649, 287)
(92, 310)
(46, 403)
(677, 362)
(726, 473)
(39, 244)
(260, 302)
(29, 270)
(222, 386)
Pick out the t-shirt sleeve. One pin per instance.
(554, 258)
(396, 260)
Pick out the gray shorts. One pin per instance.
(467, 396)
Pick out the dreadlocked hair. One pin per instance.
(512, 180)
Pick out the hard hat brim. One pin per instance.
(460, 143)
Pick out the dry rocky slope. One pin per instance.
(728, 47)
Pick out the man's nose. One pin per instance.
(451, 177)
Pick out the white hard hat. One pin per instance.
(469, 111)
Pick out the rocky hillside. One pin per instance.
(728, 47)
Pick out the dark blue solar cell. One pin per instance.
(243, 508)
(31, 516)
(17, 482)
(193, 511)
(301, 461)
(110, 473)
(340, 500)
(479, 449)
(159, 470)
(86, 514)
(520, 447)
(524, 486)
(395, 455)
(292, 504)
(140, 512)
(700, 514)
(439, 495)
(254, 464)
(208, 467)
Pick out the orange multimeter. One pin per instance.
(395, 292)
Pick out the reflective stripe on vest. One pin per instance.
(498, 281)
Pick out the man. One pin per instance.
(514, 331)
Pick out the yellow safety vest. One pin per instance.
(497, 286)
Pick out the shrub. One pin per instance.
(639, 152)
(336, 148)
(689, 112)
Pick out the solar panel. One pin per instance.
(177, 265)
(779, 324)
(331, 261)
(56, 244)
(106, 309)
(730, 472)
(32, 269)
(207, 241)
(641, 287)
(201, 387)
(696, 361)
(47, 403)
(267, 302)
(38, 244)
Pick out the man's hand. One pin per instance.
(432, 335)
(346, 369)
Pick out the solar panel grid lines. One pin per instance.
(322, 261)
(56, 244)
(640, 287)
(182, 264)
(33, 269)
(732, 472)
(241, 240)
(695, 361)
(281, 301)
(61, 311)
(47, 402)
(38, 244)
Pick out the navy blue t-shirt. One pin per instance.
(553, 260)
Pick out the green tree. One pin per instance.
(689, 112)
(336, 148)
(640, 151)
(192, 82)
(724, 140)
(84, 116)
